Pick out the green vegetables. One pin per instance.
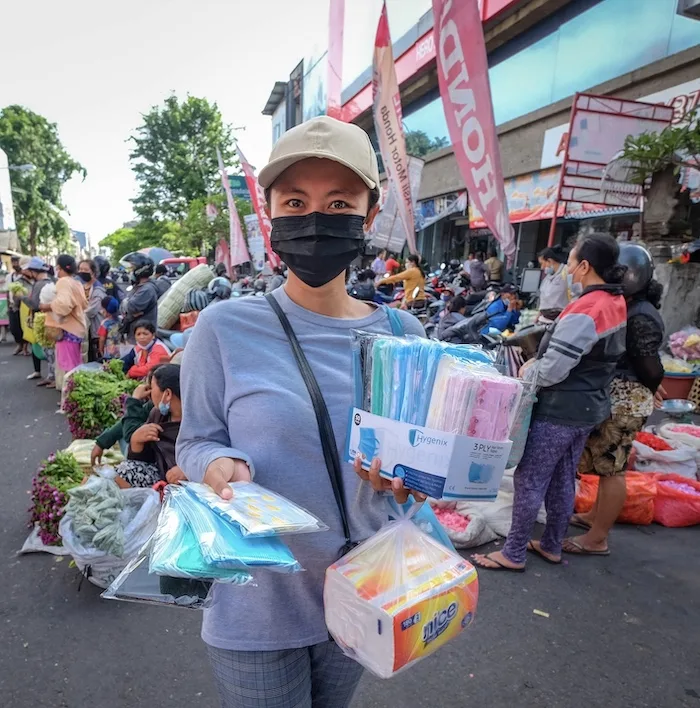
(95, 399)
(17, 290)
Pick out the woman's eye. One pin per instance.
(295, 203)
(339, 204)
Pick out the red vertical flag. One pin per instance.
(387, 123)
(336, 21)
(466, 95)
(239, 251)
(257, 197)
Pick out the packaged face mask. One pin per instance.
(257, 511)
(397, 598)
(222, 544)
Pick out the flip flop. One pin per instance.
(576, 521)
(582, 551)
(533, 549)
(499, 565)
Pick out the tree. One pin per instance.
(29, 139)
(174, 157)
(655, 161)
(419, 144)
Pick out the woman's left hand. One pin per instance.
(659, 397)
(175, 475)
(44, 307)
(380, 484)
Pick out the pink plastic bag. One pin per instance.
(676, 506)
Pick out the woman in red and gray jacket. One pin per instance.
(573, 373)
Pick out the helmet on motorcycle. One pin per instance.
(222, 290)
(103, 266)
(214, 284)
(640, 267)
(259, 286)
(141, 265)
(455, 264)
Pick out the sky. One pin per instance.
(94, 68)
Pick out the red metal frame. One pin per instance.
(626, 194)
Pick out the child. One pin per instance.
(148, 353)
(109, 333)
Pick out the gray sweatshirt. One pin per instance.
(243, 397)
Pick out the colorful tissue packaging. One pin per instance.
(397, 598)
(437, 416)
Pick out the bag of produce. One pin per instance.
(639, 504)
(678, 460)
(677, 501)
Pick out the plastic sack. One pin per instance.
(463, 530)
(521, 425)
(175, 550)
(136, 584)
(681, 434)
(139, 517)
(34, 544)
(680, 461)
(257, 511)
(677, 501)
(639, 504)
(422, 515)
(221, 542)
(397, 598)
(82, 450)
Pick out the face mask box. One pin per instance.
(398, 598)
(441, 465)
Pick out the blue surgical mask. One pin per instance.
(574, 288)
(163, 407)
(549, 270)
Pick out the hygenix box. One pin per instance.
(441, 465)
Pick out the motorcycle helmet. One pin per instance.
(141, 265)
(259, 286)
(221, 290)
(640, 267)
(214, 284)
(103, 266)
(455, 265)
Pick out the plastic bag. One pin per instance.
(138, 518)
(639, 504)
(681, 434)
(679, 461)
(136, 584)
(175, 550)
(677, 501)
(465, 530)
(221, 542)
(397, 598)
(521, 425)
(258, 511)
(34, 544)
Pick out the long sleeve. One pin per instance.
(204, 435)
(111, 436)
(158, 355)
(136, 414)
(398, 278)
(141, 300)
(644, 339)
(63, 304)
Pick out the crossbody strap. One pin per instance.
(325, 427)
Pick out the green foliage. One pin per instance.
(654, 152)
(174, 157)
(419, 144)
(29, 139)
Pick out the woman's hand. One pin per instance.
(380, 484)
(224, 470)
(142, 392)
(96, 455)
(44, 307)
(150, 432)
(525, 367)
(659, 396)
(175, 475)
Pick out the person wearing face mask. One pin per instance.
(241, 380)
(413, 280)
(142, 302)
(504, 312)
(36, 271)
(151, 456)
(575, 366)
(554, 290)
(67, 313)
(95, 293)
(148, 352)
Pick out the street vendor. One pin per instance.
(554, 290)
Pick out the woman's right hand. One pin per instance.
(150, 432)
(142, 392)
(96, 455)
(224, 470)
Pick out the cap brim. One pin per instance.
(274, 169)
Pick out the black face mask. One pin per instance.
(318, 247)
(85, 277)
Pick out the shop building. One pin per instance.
(541, 52)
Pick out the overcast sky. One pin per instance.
(94, 67)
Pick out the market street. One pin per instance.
(620, 631)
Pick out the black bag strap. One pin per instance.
(323, 418)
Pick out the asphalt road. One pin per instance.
(622, 631)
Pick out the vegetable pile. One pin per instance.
(40, 331)
(17, 290)
(653, 441)
(55, 476)
(95, 399)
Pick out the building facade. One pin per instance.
(541, 52)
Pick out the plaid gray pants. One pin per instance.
(320, 676)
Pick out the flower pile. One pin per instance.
(94, 400)
(653, 441)
(55, 476)
(686, 344)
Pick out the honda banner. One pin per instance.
(239, 251)
(387, 123)
(257, 196)
(466, 97)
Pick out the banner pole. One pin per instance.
(553, 225)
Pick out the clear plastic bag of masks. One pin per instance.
(221, 542)
(398, 597)
(257, 511)
(473, 400)
(394, 376)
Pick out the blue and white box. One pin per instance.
(441, 465)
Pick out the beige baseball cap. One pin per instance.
(326, 138)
